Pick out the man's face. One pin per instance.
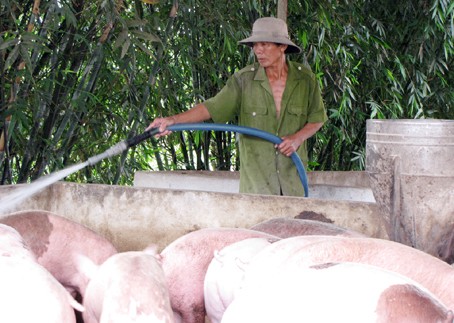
(269, 54)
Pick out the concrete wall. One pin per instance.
(133, 217)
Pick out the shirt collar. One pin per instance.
(260, 75)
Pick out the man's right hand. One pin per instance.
(162, 124)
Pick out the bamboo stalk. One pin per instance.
(15, 87)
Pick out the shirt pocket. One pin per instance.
(296, 117)
(255, 116)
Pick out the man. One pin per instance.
(273, 95)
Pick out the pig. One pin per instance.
(12, 244)
(29, 293)
(288, 227)
(127, 287)
(432, 273)
(185, 262)
(335, 292)
(56, 241)
(225, 272)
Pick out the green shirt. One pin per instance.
(247, 95)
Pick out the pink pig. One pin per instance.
(334, 292)
(12, 244)
(288, 227)
(225, 273)
(28, 292)
(127, 287)
(432, 273)
(56, 241)
(185, 262)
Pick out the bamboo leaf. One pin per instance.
(146, 36)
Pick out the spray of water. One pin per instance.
(23, 192)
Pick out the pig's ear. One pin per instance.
(86, 266)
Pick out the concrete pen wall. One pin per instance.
(133, 217)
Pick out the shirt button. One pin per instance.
(277, 172)
(254, 114)
(252, 69)
(299, 67)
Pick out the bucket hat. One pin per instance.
(273, 30)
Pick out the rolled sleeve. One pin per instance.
(317, 111)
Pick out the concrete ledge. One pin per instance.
(210, 181)
(351, 186)
(133, 217)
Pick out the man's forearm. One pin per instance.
(309, 130)
(198, 113)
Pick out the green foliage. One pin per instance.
(374, 60)
(78, 77)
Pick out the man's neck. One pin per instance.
(278, 71)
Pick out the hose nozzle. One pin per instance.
(139, 138)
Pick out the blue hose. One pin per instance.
(227, 127)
